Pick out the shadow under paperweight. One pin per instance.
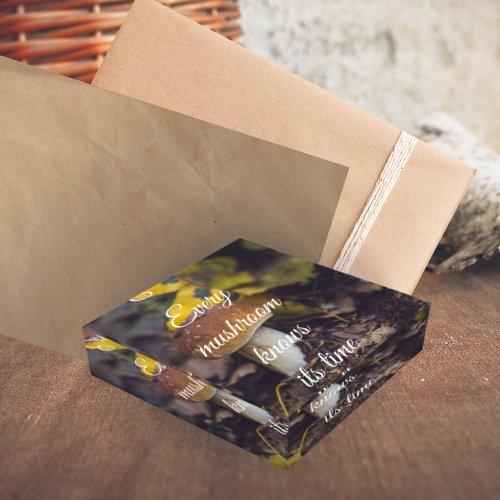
(265, 350)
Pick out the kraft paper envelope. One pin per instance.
(163, 58)
(102, 196)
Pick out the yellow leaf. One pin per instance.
(288, 271)
(102, 344)
(188, 297)
(284, 463)
(148, 366)
(168, 286)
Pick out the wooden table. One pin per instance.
(430, 433)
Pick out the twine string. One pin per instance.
(383, 187)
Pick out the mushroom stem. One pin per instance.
(235, 404)
(287, 361)
(221, 332)
(182, 385)
(273, 349)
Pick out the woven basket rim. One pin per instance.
(72, 37)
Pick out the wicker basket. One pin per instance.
(71, 37)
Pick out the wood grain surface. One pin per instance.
(430, 433)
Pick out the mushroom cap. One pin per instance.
(174, 382)
(214, 330)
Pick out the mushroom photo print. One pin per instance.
(267, 351)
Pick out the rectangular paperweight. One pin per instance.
(265, 350)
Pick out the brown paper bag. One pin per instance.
(163, 58)
(103, 196)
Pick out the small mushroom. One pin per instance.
(223, 331)
(220, 332)
(185, 386)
